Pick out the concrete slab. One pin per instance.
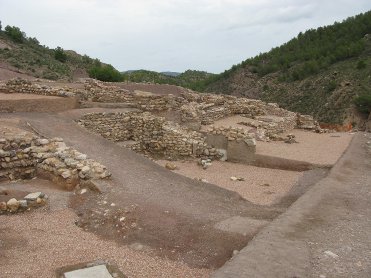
(98, 271)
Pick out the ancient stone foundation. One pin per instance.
(161, 138)
(24, 155)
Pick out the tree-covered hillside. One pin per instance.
(308, 74)
(191, 79)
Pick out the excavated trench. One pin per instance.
(164, 213)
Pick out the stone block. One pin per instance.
(98, 271)
(217, 141)
(242, 151)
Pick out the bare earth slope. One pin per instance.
(326, 233)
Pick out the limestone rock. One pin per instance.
(33, 196)
(13, 205)
(42, 141)
(170, 166)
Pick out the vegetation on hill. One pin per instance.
(28, 56)
(319, 72)
(191, 79)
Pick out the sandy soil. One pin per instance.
(8, 72)
(314, 148)
(36, 243)
(324, 149)
(261, 185)
(326, 233)
(17, 96)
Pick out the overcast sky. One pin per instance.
(174, 35)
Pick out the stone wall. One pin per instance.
(194, 108)
(161, 138)
(24, 155)
(23, 86)
(20, 103)
(153, 135)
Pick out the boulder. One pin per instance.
(13, 205)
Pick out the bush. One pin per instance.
(15, 33)
(60, 55)
(105, 73)
(361, 64)
(331, 85)
(363, 103)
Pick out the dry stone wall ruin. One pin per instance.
(23, 155)
(152, 134)
(159, 137)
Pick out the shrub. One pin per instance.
(331, 85)
(60, 55)
(361, 64)
(105, 73)
(363, 103)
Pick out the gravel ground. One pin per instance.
(314, 148)
(261, 186)
(35, 244)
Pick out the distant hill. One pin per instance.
(26, 55)
(320, 72)
(170, 73)
(191, 79)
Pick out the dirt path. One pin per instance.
(326, 233)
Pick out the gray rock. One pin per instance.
(33, 196)
(23, 203)
(42, 141)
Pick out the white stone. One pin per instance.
(83, 191)
(331, 254)
(85, 169)
(13, 204)
(42, 141)
(81, 157)
(66, 174)
(98, 271)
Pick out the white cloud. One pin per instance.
(172, 35)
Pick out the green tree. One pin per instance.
(15, 33)
(105, 73)
(60, 55)
(363, 103)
